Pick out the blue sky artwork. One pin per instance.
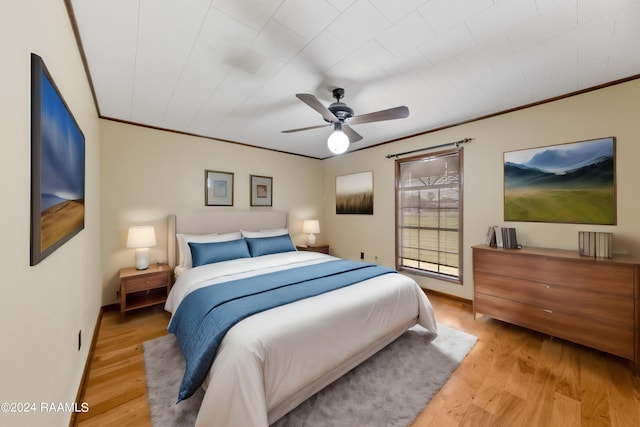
(563, 158)
(62, 156)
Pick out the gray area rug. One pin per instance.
(389, 389)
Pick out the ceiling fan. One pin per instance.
(340, 115)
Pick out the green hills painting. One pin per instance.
(569, 183)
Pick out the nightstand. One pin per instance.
(143, 288)
(324, 249)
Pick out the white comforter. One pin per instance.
(271, 362)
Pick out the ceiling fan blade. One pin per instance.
(313, 102)
(378, 116)
(351, 134)
(307, 128)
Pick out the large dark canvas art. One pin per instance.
(57, 167)
(354, 193)
(567, 183)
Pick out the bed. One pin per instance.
(269, 362)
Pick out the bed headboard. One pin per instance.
(219, 222)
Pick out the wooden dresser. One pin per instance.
(593, 302)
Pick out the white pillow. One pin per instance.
(264, 233)
(185, 250)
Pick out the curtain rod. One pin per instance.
(456, 143)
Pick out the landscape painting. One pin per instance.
(354, 194)
(57, 167)
(567, 183)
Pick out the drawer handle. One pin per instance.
(547, 286)
(546, 310)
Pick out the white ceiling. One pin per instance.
(230, 69)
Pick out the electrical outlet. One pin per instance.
(79, 339)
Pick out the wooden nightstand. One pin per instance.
(324, 249)
(143, 288)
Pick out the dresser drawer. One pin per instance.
(585, 274)
(614, 340)
(135, 284)
(612, 309)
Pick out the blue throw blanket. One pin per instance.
(205, 315)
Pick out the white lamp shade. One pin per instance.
(311, 226)
(141, 237)
(338, 142)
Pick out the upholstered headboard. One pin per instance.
(219, 222)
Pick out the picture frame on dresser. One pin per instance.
(261, 190)
(565, 183)
(218, 188)
(57, 166)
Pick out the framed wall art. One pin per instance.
(566, 183)
(57, 166)
(261, 190)
(354, 194)
(218, 188)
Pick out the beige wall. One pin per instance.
(613, 111)
(44, 306)
(148, 174)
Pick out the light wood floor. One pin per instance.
(512, 377)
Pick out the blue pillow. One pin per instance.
(270, 245)
(208, 253)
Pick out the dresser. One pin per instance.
(593, 302)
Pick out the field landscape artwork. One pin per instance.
(567, 183)
(57, 167)
(354, 193)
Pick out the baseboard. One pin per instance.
(448, 296)
(87, 367)
(111, 307)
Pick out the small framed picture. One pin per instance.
(218, 188)
(261, 190)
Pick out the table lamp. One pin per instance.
(141, 238)
(311, 227)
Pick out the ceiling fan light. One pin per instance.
(338, 142)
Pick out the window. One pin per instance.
(429, 214)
